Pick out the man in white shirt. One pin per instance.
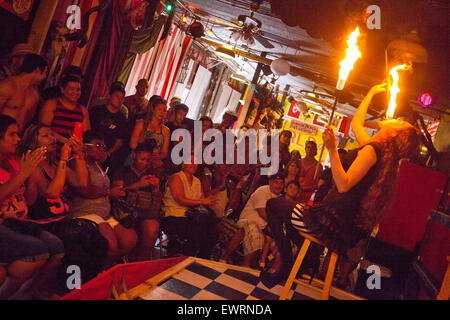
(253, 220)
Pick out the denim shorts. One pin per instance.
(18, 246)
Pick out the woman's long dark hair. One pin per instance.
(29, 140)
(397, 144)
(5, 123)
(298, 163)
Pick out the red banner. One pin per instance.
(20, 8)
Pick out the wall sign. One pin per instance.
(339, 122)
(303, 127)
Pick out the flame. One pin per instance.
(394, 90)
(352, 54)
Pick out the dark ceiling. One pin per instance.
(330, 20)
(315, 33)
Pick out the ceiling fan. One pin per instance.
(248, 30)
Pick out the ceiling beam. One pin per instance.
(295, 71)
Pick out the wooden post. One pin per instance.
(41, 24)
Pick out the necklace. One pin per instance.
(104, 173)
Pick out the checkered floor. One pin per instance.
(219, 282)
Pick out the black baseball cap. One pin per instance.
(278, 175)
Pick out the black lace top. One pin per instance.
(334, 220)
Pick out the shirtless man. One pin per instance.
(137, 104)
(19, 95)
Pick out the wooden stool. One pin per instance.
(298, 262)
(444, 292)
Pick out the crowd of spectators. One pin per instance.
(96, 185)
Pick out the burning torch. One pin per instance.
(394, 89)
(352, 55)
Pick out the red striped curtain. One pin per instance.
(167, 58)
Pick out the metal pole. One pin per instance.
(323, 146)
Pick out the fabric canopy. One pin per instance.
(169, 59)
(161, 64)
(111, 50)
(143, 41)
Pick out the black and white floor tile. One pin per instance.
(219, 282)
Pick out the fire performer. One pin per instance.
(364, 183)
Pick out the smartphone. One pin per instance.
(78, 131)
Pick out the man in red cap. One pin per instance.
(12, 66)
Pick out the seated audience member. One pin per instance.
(54, 92)
(253, 220)
(241, 133)
(170, 115)
(61, 114)
(309, 166)
(153, 128)
(13, 62)
(206, 125)
(292, 189)
(292, 171)
(295, 154)
(47, 199)
(100, 101)
(216, 184)
(137, 104)
(154, 99)
(143, 193)
(285, 155)
(187, 215)
(228, 120)
(93, 201)
(19, 95)
(26, 250)
(111, 124)
(180, 112)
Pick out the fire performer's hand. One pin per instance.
(329, 138)
(379, 88)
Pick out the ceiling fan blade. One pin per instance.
(263, 41)
(288, 42)
(226, 24)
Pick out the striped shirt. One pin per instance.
(64, 119)
(297, 218)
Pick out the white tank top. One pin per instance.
(194, 192)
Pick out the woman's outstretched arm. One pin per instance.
(360, 115)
